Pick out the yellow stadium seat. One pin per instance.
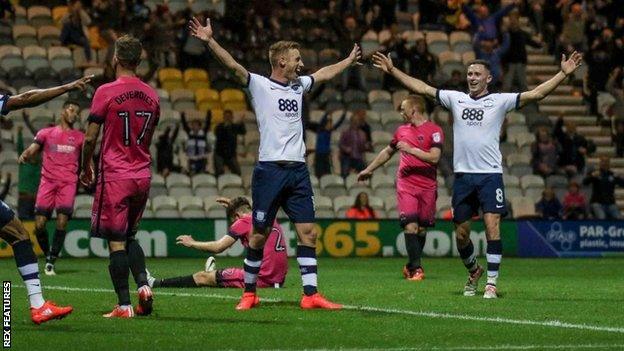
(195, 85)
(217, 117)
(232, 95)
(58, 12)
(95, 39)
(172, 85)
(169, 74)
(205, 94)
(235, 105)
(209, 105)
(195, 75)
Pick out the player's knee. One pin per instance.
(116, 246)
(411, 228)
(203, 278)
(257, 240)
(307, 234)
(61, 222)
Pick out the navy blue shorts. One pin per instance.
(472, 191)
(6, 214)
(277, 185)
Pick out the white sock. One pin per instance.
(33, 287)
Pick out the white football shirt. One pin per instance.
(476, 129)
(278, 109)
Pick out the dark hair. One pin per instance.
(358, 204)
(71, 102)
(237, 204)
(484, 63)
(128, 51)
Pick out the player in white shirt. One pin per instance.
(281, 178)
(477, 119)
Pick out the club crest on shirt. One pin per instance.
(71, 140)
(488, 102)
(436, 137)
(260, 216)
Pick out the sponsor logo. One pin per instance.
(556, 235)
(437, 137)
(500, 206)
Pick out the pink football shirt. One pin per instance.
(129, 111)
(61, 153)
(275, 259)
(413, 171)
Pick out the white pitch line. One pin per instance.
(478, 348)
(442, 315)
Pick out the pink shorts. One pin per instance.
(55, 195)
(417, 205)
(118, 207)
(235, 278)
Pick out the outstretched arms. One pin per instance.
(39, 96)
(568, 66)
(216, 246)
(328, 72)
(385, 64)
(204, 33)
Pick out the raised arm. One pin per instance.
(541, 91)
(381, 158)
(204, 33)
(216, 246)
(328, 72)
(36, 97)
(385, 64)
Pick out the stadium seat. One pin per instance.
(523, 207)
(534, 194)
(369, 43)
(168, 118)
(49, 36)
(35, 57)
(381, 139)
(398, 97)
(390, 203)
(517, 159)
(443, 203)
(511, 180)
(170, 79)
(511, 192)
(177, 180)
(557, 180)
(10, 57)
(521, 139)
(58, 12)
(323, 203)
(24, 35)
(468, 57)
(411, 36)
(182, 99)
(203, 180)
(342, 204)
(332, 185)
(508, 148)
(354, 187)
(60, 58)
(531, 181)
(516, 118)
(437, 42)
(380, 100)
(196, 78)
(39, 16)
(191, 207)
(460, 41)
(207, 99)
(383, 181)
(328, 56)
(391, 120)
(40, 117)
(165, 207)
(83, 202)
(229, 180)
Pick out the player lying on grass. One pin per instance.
(274, 261)
(11, 228)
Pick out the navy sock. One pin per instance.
(136, 261)
(468, 256)
(186, 281)
(253, 260)
(57, 244)
(29, 270)
(43, 240)
(306, 257)
(414, 244)
(119, 272)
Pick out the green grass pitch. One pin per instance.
(546, 304)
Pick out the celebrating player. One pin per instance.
(274, 261)
(11, 228)
(61, 146)
(129, 110)
(281, 178)
(420, 142)
(477, 161)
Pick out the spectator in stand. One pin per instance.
(574, 203)
(600, 63)
(573, 147)
(515, 77)
(574, 23)
(483, 23)
(618, 138)
(615, 88)
(549, 206)
(6, 186)
(421, 63)
(488, 50)
(226, 143)
(545, 154)
(456, 82)
(322, 153)
(159, 37)
(603, 182)
(351, 33)
(197, 144)
(353, 144)
(7, 10)
(164, 151)
(74, 31)
(360, 117)
(361, 208)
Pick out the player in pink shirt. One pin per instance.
(128, 110)
(274, 264)
(61, 146)
(420, 142)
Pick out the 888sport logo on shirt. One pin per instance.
(290, 107)
(472, 116)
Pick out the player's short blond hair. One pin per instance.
(416, 101)
(280, 48)
(128, 51)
